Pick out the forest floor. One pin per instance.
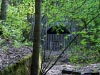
(10, 54)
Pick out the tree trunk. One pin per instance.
(35, 66)
(3, 10)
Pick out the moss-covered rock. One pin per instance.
(22, 67)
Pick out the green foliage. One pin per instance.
(17, 44)
(83, 42)
(5, 49)
(81, 55)
(2, 42)
(17, 21)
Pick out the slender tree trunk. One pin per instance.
(35, 66)
(3, 10)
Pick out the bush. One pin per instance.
(82, 55)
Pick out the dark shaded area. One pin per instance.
(79, 73)
(3, 10)
(26, 35)
(58, 29)
(70, 72)
(95, 73)
(1, 32)
(30, 18)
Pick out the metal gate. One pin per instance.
(56, 45)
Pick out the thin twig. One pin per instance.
(78, 7)
(81, 5)
(48, 62)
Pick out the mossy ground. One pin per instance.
(22, 67)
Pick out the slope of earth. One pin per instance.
(9, 54)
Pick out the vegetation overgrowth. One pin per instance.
(20, 18)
